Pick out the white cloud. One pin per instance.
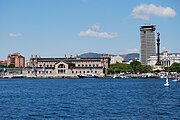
(93, 31)
(15, 34)
(133, 50)
(145, 11)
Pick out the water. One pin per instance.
(54, 99)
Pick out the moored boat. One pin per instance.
(88, 75)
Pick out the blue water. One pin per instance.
(54, 99)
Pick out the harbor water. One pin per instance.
(123, 99)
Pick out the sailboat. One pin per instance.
(167, 83)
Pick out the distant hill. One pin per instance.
(127, 57)
(93, 55)
(131, 56)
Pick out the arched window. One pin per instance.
(61, 66)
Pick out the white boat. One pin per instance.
(88, 75)
(167, 83)
(177, 79)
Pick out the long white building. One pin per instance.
(66, 66)
(166, 59)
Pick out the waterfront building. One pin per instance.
(116, 59)
(166, 59)
(16, 59)
(3, 62)
(66, 66)
(147, 41)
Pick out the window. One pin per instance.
(39, 72)
(84, 72)
(89, 65)
(79, 71)
(72, 71)
(50, 72)
(61, 66)
(86, 65)
(76, 71)
(47, 72)
(93, 65)
(78, 65)
(97, 65)
(50, 65)
(61, 71)
(28, 72)
(40, 65)
(95, 71)
(47, 65)
(87, 71)
(82, 65)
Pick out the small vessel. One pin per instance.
(167, 83)
(88, 75)
(177, 79)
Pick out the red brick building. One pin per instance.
(16, 59)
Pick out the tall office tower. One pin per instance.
(147, 38)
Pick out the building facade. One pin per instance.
(116, 59)
(147, 41)
(66, 66)
(166, 59)
(16, 59)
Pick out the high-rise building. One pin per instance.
(147, 38)
(16, 59)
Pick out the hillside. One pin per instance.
(127, 57)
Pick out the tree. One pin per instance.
(146, 68)
(11, 66)
(119, 67)
(175, 67)
(3, 66)
(136, 66)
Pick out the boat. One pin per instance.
(13, 76)
(167, 83)
(88, 75)
(177, 79)
(18, 76)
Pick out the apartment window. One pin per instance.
(87, 71)
(84, 72)
(82, 65)
(28, 72)
(40, 65)
(72, 71)
(47, 72)
(95, 71)
(50, 72)
(47, 65)
(93, 65)
(76, 71)
(78, 65)
(86, 65)
(79, 71)
(89, 65)
(50, 65)
(97, 65)
(39, 72)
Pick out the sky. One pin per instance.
(53, 28)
